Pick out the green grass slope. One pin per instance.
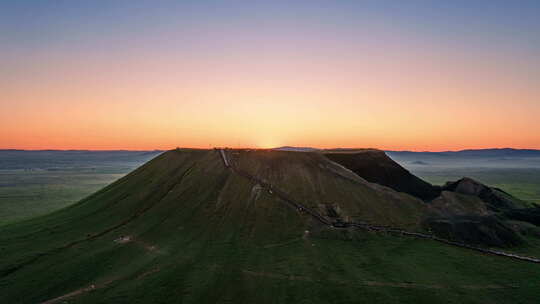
(313, 180)
(185, 229)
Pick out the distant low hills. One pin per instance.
(483, 158)
(47, 159)
(500, 152)
(297, 149)
(471, 158)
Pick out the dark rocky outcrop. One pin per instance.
(496, 199)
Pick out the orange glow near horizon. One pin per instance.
(291, 81)
(314, 113)
(139, 111)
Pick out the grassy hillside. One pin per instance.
(315, 181)
(34, 183)
(185, 229)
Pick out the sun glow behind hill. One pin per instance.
(267, 74)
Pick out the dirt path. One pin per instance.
(374, 283)
(93, 287)
(77, 292)
(283, 243)
(130, 239)
(70, 295)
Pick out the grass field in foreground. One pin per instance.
(372, 268)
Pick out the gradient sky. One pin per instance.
(415, 75)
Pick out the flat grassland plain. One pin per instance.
(514, 171)
(34, 183)
(521, 183)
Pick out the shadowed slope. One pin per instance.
(376, 167)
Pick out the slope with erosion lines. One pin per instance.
(306, 178)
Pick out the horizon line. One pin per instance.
(259, 148)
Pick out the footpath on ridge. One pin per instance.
(341, 225)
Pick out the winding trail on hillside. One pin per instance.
(272, 190)
(376, 228)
